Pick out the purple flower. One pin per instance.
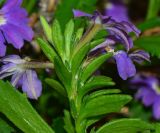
(21, 75)
(117, 10)
(149, 91)
(13, 25)
(120, 30)
(124, 62)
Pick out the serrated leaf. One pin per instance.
(79, 57)
(93, 66)
(151, 23)
(69, 30)
(102, 92)
(47, 29)
(150, 44)
(62, 72)
(18, 110)
(5, 127)
(47, 49)
(125, 126)
(57, 37)
(94, 83)
(103, 105)
(68, 122)
(57, 86)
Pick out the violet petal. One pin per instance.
(32, 86)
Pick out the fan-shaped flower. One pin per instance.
(13, 25)
(21, 75)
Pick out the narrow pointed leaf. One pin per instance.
(94, 83)
(79, 57)
(125, 126)
(18, 110)
(57, 37)
(68, 122)
(104, 104)
(68, 36)
(57, 86)
(94, 65)
(47, 49)
(79, 34)
(62, 72)
(47, 29)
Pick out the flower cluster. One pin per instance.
(14, 29)
(148, 87)
(118, 33)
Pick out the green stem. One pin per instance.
(36, 65)
(88, 36)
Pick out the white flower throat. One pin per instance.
(3, 20)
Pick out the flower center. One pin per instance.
(109, 6)
(2, 20)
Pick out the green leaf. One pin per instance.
(79, 34)
(18, 110)
(47, 49)
(78, 58)
(69, 30)
(101, 93)
(150, 44)
(68, 122)
(125, 126)
(157, 127)
(93, 66)
(104, 104)
(5, 127)
(57, 37)
(57, 86)
(62, 72)
(94, 83)
(47, 29)
(151, 23)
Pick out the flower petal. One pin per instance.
(2, 45)
(125, 66)
(16, 79)
(32, 86)
(12, 36)
(122, 36)
(147, 95)
(139, 56)
(12, 59)
(118, 11)
(78, 13)
(11, 4)
(156, 108)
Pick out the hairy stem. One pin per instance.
(36, 65)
